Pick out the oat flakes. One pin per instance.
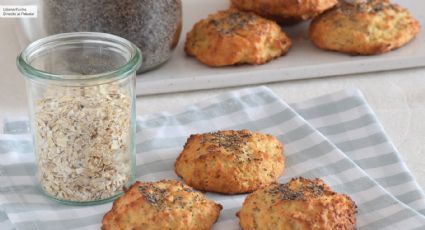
(82, 142)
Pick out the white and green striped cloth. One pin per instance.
(335, 137)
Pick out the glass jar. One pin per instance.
(152, 25)
(81, 97)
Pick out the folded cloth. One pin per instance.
(346, 119)
(368, 168)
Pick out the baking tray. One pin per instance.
(304, 60)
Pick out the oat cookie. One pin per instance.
(165, 204)
(230, 162)
(285, 12)
(299, 204)
(364, 27)
(232, 37)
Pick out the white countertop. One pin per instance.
(398, 98)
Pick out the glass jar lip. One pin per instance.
(29, 71)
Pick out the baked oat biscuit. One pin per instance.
(232, 37)
(161, 205)
(230, 162)
(299, 204)
(364, 27)
(285, 12)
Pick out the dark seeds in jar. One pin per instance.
(153, 25)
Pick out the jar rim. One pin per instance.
(132, 64)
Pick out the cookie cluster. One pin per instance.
(250, 31)
(232, 162)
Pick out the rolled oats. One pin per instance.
(83, 142)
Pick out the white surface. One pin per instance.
(398, 97)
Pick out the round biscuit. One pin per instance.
(232, 37)
(165, 204)
(366, 27)
(286, 12)
(230, 162)
(299, 204)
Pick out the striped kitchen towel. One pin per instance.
(334, 137)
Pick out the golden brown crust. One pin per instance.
(230, 162)
(299, 204)
(159, 205)
(367, 27)
(285, 11)
(232, 37)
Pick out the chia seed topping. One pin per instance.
(232, 142)
(158, 197)
(233, 22)
(364, 6)
(285, 192)
(153, 194)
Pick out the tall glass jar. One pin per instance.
(152, 25)
(81, 97)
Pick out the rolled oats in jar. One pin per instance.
(81, 93)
